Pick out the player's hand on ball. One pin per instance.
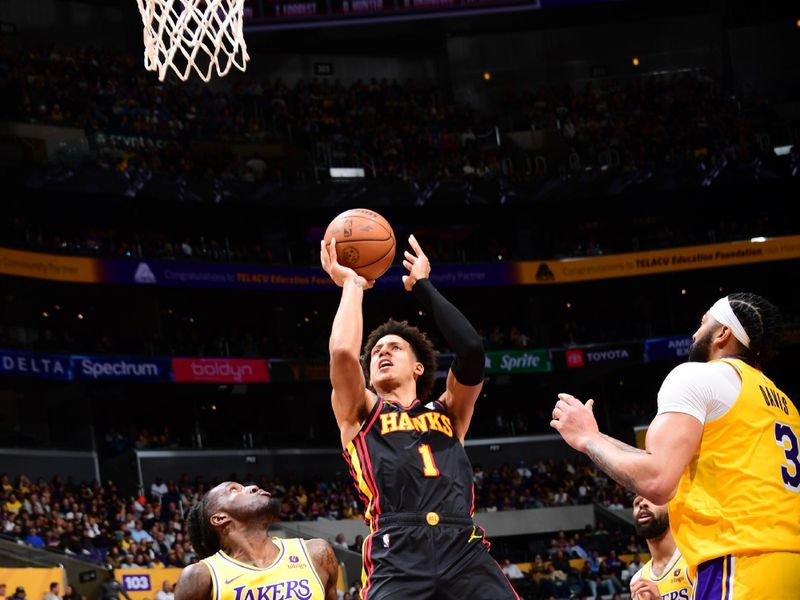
(340, 274)
(418, 265)
(644, 590)
(574, 420)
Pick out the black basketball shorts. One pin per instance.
(431, 557)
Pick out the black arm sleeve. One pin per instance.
(469, 363)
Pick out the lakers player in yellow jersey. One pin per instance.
(228, 529)
(665, 576)
(723, 450)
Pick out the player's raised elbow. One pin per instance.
(473, 350)
(658, 490)
(343, 356)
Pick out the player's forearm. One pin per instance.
(621, 445)
(633, 468)
(457, 331)
(348, 324)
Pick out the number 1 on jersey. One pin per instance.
(428, 465)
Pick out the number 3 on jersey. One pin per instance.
(428, 465)
(786, 438)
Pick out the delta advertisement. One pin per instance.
(141, 369)
(187, 274)
(36, 364)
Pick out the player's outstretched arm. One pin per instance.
(350, 399)
(194, 583)
(326, 564)
(465, 379)
(672, 441)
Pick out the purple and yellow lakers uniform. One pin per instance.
(415, 479)
(291, 577)
(736, 513)
(674, 582)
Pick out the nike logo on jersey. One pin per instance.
(232, 579)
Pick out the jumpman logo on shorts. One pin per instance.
(473, 536)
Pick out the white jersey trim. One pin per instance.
(705, 391)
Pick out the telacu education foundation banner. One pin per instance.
(259, 277)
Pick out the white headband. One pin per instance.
(723, 313)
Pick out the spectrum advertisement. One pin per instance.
(141, 369)
(120, 368)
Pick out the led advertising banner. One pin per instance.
(518, 361)
(190, 274)
(598, 355)
(668, 348)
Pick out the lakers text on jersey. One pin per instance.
(673, 582)
(291, 577)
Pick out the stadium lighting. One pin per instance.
(347, 172)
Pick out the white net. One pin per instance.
(200, 35)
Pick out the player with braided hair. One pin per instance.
(228, 529)
(723, 450)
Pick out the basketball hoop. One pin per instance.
(204, 35)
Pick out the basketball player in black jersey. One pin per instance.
(406, 450)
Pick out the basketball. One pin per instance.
(364, 242)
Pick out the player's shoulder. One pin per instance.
(318, 548)
(691, 369)
(639, 574)
(322, 555)
(194, 583)
(692, 372)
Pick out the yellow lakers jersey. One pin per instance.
(674, 583)
(740, 494)
(291, 577)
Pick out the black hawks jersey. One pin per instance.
(410, 461)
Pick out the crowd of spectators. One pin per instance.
(410, 130)
(544, 484)
(446, 243)
(99, 523)
(648, 120)
(395, 129)
(575, 572)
